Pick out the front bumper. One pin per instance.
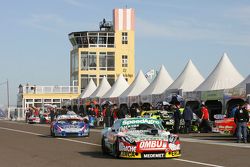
(74, 133)
(151, 155)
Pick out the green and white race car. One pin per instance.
(140, 138)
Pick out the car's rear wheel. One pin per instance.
(104, 148)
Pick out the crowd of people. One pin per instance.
(111, 112)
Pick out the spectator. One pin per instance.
(205, 119)
(107, 115)
(187, 116)
(241, 118)
(232, 113)
(177, 118)
(52, 114)
(119, 113)
(133, 112)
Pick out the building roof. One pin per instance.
(244, 82)
(118, 88)
(137, 86)
(162, 81)
(224, 76)
(91, 87)
(189, 79)
(101, 89)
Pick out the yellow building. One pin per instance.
(106, 52)
(39, 96)
(95, 54)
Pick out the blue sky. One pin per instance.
(34, 45)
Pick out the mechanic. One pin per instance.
(232, 113)
(177, 118)
(241, 118)
(205, 119)
(187, 116)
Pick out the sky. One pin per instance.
(34, 44)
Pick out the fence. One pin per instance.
(14, 113)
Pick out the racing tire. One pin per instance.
(116, 150)
(52, 134)
(104, 148)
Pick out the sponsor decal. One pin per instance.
(156, 155)
(174, 147)
(140, 121)
(152, 144)
(128, 154)
(122, 147)
(173, 154)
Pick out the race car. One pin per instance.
(69, 125)
(140, 138)
(33, 119)
(225, 125)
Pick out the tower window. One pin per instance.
(124, 38)
(124, 61)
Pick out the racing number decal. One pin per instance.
(174, 153)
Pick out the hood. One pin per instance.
(138, 136)
(70, 125)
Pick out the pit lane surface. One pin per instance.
(31, 145)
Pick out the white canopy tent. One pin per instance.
(224, 76)
(101, 89)
(117, 89)
(244, 82)
(189, 79)
(91, 87)
(139, 84)
(162, 81)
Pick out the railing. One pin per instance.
(14, 113)
(48, 89)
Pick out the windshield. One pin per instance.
(69, 121)
(141, 127)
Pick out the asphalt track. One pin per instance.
(24, 145)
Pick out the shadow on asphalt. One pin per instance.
(100, 155)
(214, 137)
(95, 154)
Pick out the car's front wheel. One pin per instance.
(104, 148)
(52, 133)
(116, 150)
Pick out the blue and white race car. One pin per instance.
(69, 125)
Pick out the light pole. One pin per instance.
(8, 95)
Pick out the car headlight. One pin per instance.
(172, 138)
(128, 140)
(59, 128)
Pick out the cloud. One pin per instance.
(75, 3)
(241, 13)
(45, 22)
(54, 23)
(187, 29)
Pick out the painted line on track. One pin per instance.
(195, 162)
(238, 145)
(98, 145)
(184, 139)
(38, 134)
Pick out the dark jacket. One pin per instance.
(177, 115)
(187, 114)
(241, 115)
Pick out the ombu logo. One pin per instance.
(152, 144)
